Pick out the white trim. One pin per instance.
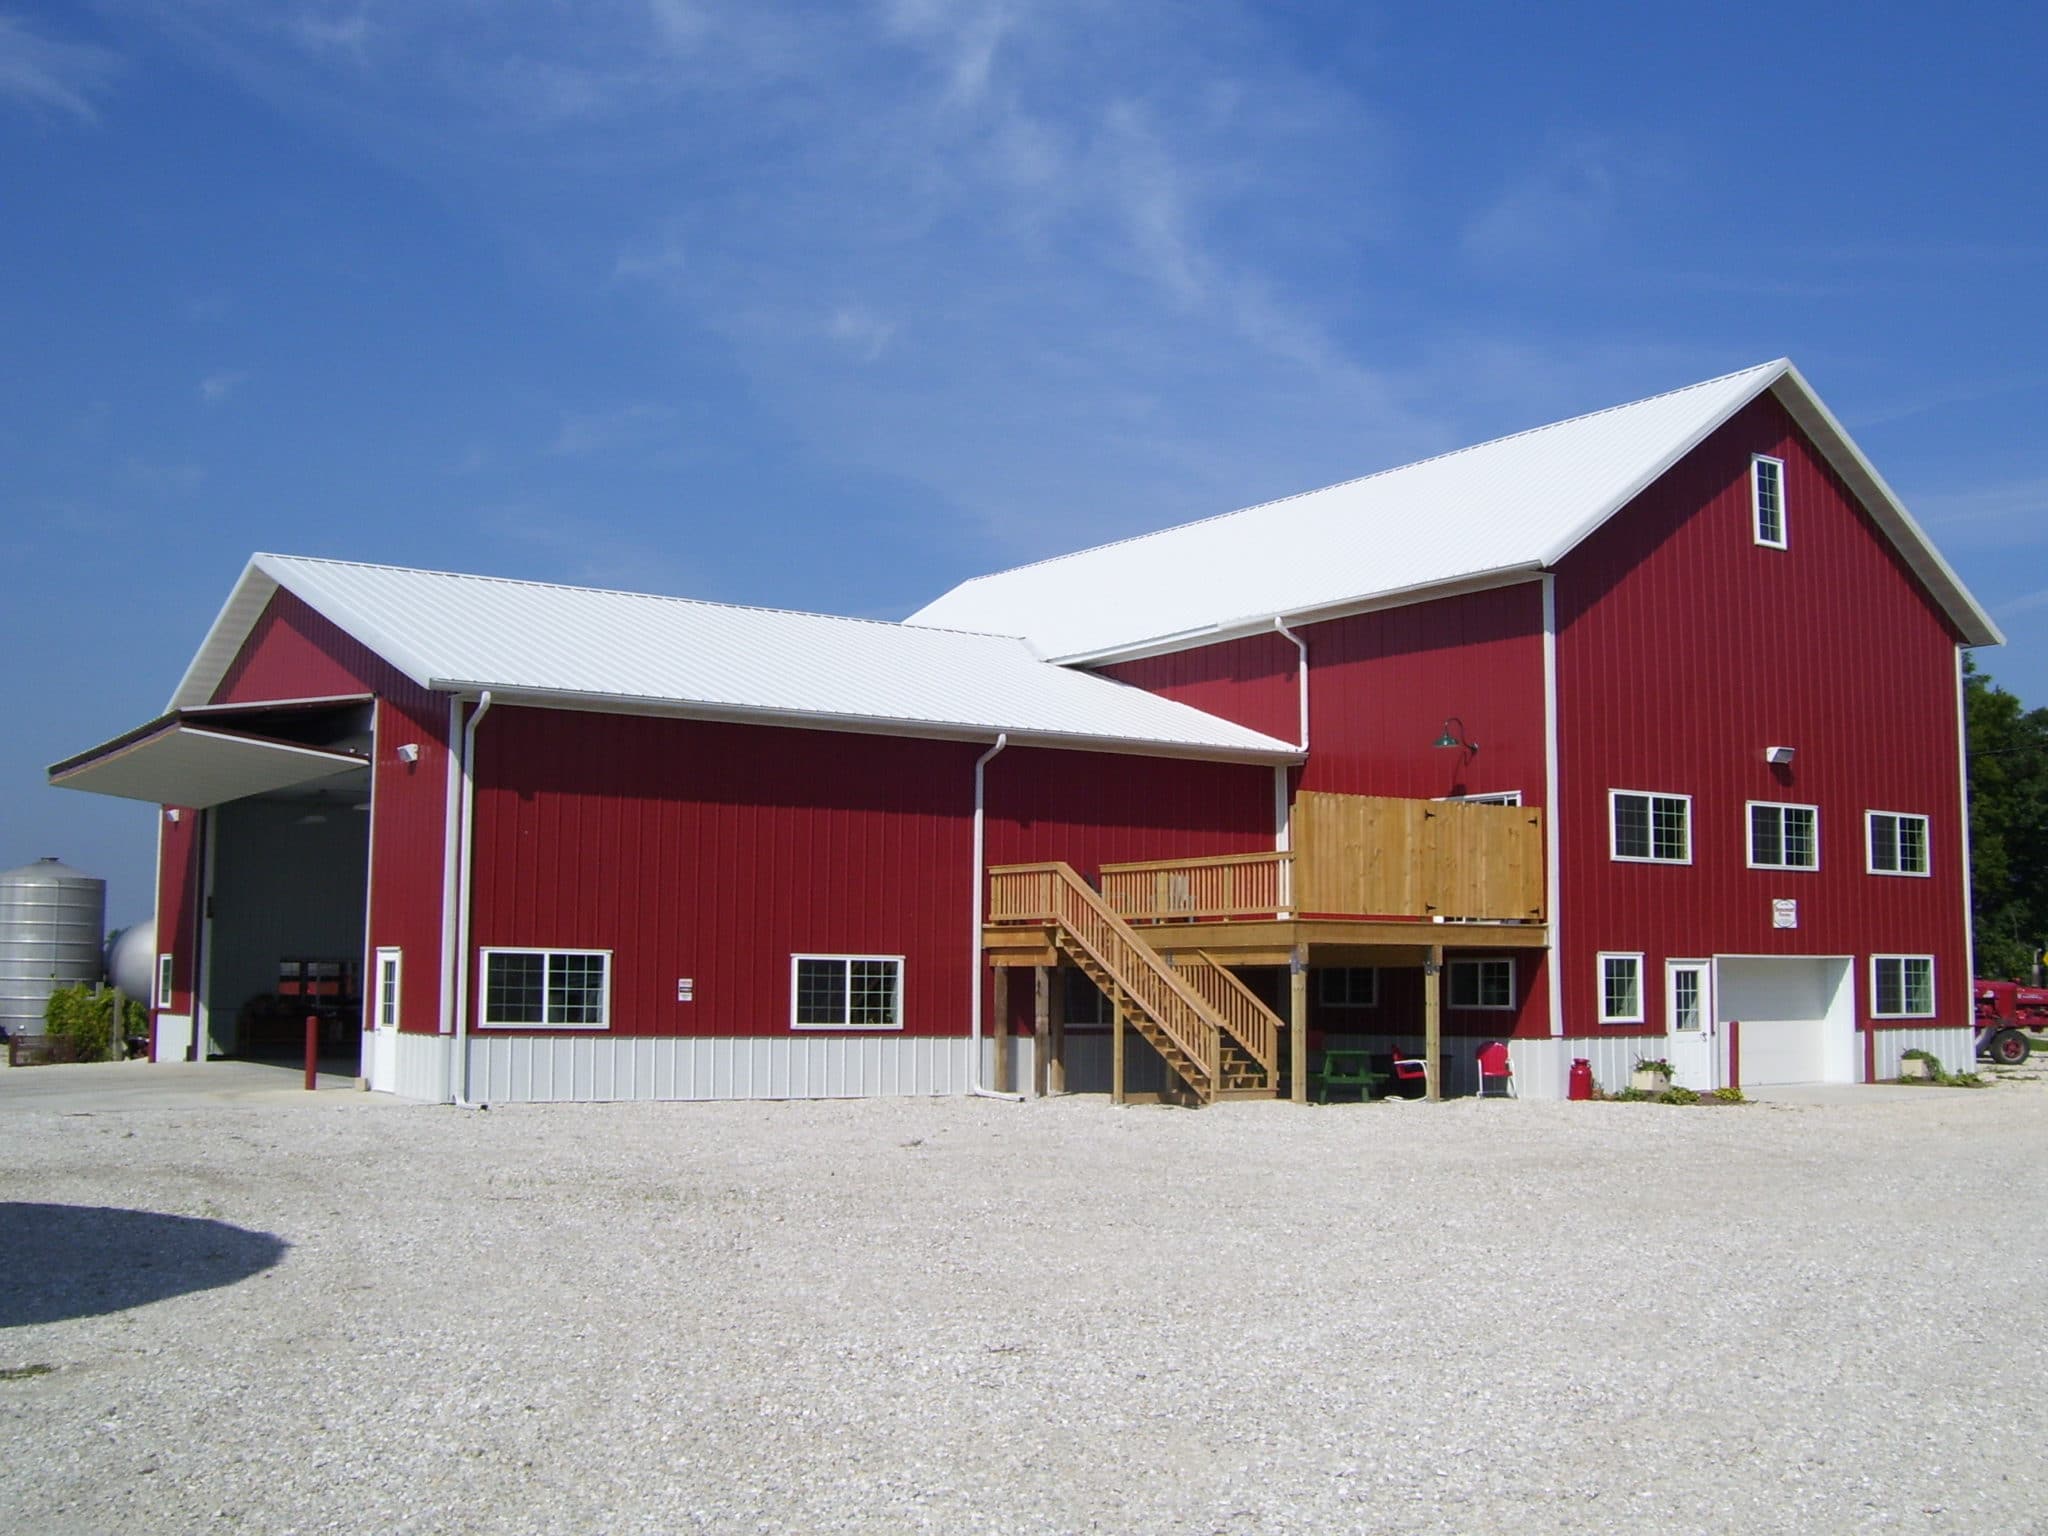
(1491, 797)
(1475, 966)
(1635, 958)
(451, 866)
(1749, 811)
(1756, 500)
(1613, 838)
(311, 701)
(1963, 823)
(166, 981)
(1926, 842)
(1551, 879)
(1931, 1010)
(548, 954)
(796, 960)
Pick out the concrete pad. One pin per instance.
(93, 1087)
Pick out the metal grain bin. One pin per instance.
(52, 926)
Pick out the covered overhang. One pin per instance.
(196, 762)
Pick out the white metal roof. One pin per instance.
(1477, 516)
(630, 651)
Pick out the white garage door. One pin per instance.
(1797, 1017)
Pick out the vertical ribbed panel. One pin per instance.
(420, 1067)
(1684, 650)
(1957, 1048)
(606, 1068)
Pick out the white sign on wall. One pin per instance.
(1784, 914)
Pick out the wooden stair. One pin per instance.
(1214, 1034)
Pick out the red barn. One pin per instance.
(1635, 735)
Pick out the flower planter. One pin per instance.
(1644, 1081)
(1915, 1067)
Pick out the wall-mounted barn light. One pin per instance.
(1456, 740)
(409, 752)
(1778, 756)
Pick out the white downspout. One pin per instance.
(974, 1083)
(468, 814)
(1283, 823)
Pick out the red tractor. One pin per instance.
(2004, 1009)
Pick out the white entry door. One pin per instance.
(1689, 1021)
(380, 1041)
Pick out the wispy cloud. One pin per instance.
(1561, 204)
(216, 387)
(2011, 512)
(47, 75)
(593, 432)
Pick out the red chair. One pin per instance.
(1494, 1064)
(1407, 1070)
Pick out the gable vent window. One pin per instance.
(1767, 496)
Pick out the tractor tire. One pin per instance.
(2010, 1048)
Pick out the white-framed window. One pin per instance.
(1783, 836)
(1349, 986)
(1491, 797)
(1086, 1003)
(546, 989)
(1902, 986)
(386, 997)
(166, 969)
(845, 991)
(1621, 988)
(1487, 984)
(1767, 499)
(1897, 842)
(1650, 829)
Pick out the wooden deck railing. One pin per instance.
(1055, 894)
(1249, 1022)
(1367, 855)
(1230, 885)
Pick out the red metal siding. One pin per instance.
(715, 852)
(177, 902)
(1250, 681)
(294, 653)
(1684, 650)
(1095, 808)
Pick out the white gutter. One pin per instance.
(468, 815)
(974, 1083)
(1283, 820)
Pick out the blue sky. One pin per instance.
(830, 306)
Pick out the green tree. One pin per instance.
(2008, 757)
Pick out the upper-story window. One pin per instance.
(1898, 843)
(1654, 828)
(1767, 498)
(1783, 836)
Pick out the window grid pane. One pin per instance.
(821, 991)
(1632, 826)
(575, 989)
(1766, 844)
(514, 988)
(1621, 990)
(1668, 828)
(873, 1000)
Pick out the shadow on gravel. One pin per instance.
(64, 1261)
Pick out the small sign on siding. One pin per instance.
(1784, 913)
(686, 989)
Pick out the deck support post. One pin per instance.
(1433, 1021)
(1116, 1052)
(999, 1036)
(1056, 1068)
(1297, 1023)
(1041, 999)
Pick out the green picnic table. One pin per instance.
(1346, 1068)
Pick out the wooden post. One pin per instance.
(1297, 1023)
(1000, 1034)
(1116, 1052)
(1041, 1000)
(1433, 1021)
(1056, 1073)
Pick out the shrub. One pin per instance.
(1676, 1095)
(1729, 1095)
(85, 1016)
(1648, 1064)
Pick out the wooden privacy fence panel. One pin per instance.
(1229, 885)
(1372, 856)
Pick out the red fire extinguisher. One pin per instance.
(1581, 1084)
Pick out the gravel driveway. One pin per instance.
(337, 1313)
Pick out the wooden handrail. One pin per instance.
(1226, 885)
(1054, 893)
(1250, 1022)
